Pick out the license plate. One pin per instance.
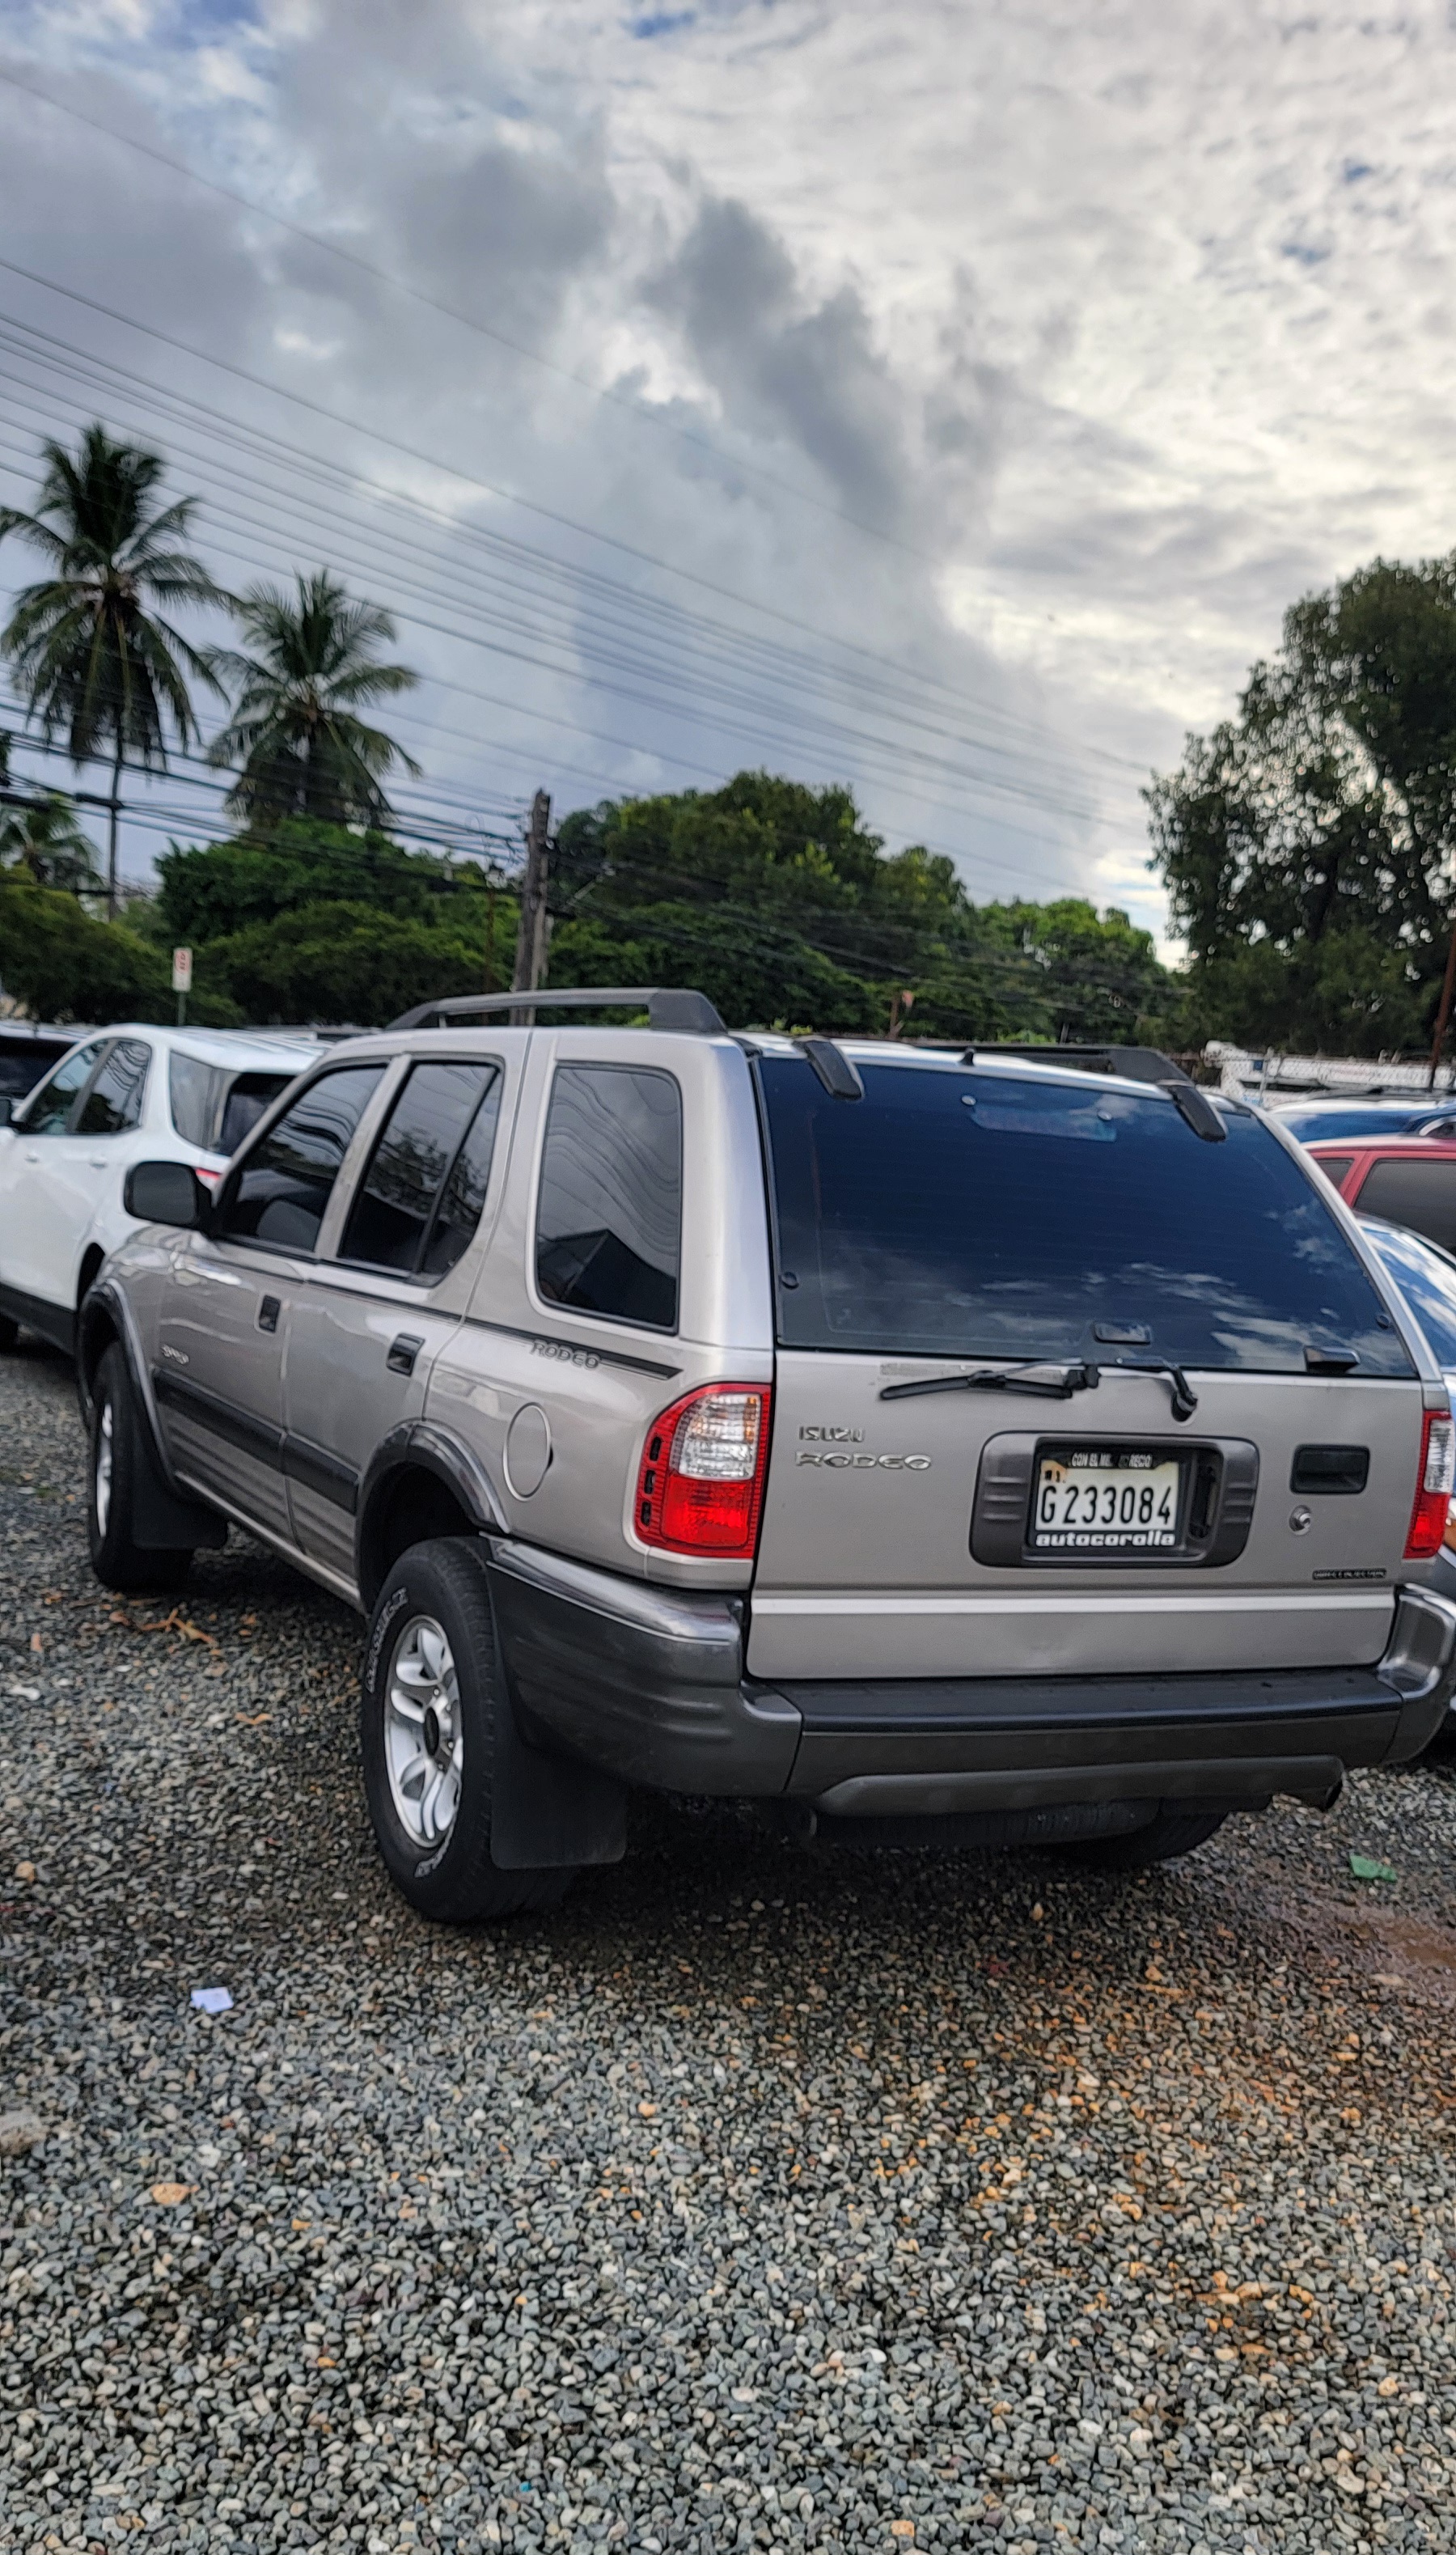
(1105, 1499)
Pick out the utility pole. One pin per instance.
(530, 940)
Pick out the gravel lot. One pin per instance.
(755, 2198)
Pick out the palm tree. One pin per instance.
(90, 651)
(43, 835)
(301, 749)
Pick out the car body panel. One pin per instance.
(867, 1610)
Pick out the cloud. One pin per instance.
(1110, 331)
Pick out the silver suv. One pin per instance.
(931, 1447)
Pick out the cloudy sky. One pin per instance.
(946, 399)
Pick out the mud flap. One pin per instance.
(163, 1519)
(547, 1813)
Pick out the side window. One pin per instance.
(114, 1102)
(609, 1215)
(194, 1091)
(1335, 1167)
(48, 1109)
(282, 1190)
(249, 1097)
(1420, 1194)
(413, 1209)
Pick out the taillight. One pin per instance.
(700, 1485)
(1433, 1487)
(206, 1175)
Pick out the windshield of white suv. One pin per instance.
(956, 1213)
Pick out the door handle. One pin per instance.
(403, 1353)
(268, 1312)
(97, 1161)
(33, 1158)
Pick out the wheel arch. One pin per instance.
(421, 1482)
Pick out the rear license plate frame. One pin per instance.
(1121, 1467)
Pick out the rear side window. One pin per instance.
(1421, 1195)
(114, 1102)
(1335, 1167)
(48, 1110)
(282, 1191)
(964, 1214)
(213, 1108)
(420, 1200)
(609, 1216)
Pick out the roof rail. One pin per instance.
(1134, 1064)
(669, 1007)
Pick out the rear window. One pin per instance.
(963, 1214)
(1420, 1194)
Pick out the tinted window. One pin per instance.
(22, 1063)
(45, 1113)
(283, 1189)
(964, 1214)
(195, 1091)
(213, 1108)
(114, 1101)
(1420, 1194)
(1335, 1167)
(463, 1203)
(609, 1216)
(247, 1099)
(393, 1221)
(1426, 1278)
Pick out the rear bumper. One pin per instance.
(648, 1684)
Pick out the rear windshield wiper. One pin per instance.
(1050, 1383)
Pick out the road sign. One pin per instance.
(181, 971)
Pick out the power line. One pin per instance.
(431, 461)
(478, 327)
(704, 635)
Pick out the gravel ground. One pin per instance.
(756, 2197)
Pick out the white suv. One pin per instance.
(177, 1095)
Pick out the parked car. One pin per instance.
(1318, 1121)
(120, 1094)
(927, 1447)
(29, 1049)
(1427, 1278)
(1405, 1179)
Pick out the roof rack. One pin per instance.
(1134, 1064)
(669, 1007)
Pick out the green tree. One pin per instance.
(781, 906)
(90, 651)
(295, 728)
(66, 967)
(40, 831)
(1308, 843)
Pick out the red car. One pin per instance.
(1407, 1179)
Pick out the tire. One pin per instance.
(117, 1453)
(1171, 1832)
(9, 1334)
(431, 1641)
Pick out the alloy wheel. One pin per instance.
(425, 1746)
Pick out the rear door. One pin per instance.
(224, 1312)
(382, 1297)
(961, 1221)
